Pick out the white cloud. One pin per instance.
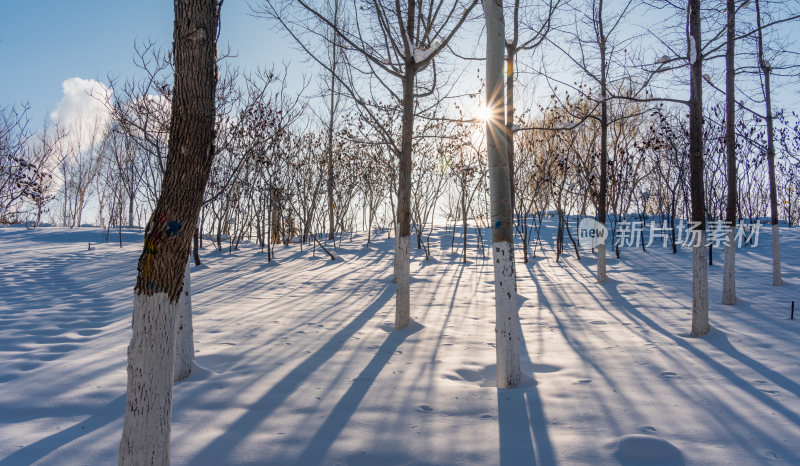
(83, 111)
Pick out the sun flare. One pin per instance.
(481, 113)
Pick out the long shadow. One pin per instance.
(719, 340)
(313, 287)
(38, 450)
(716, 338)
(574, 343)
(521, 414)
(216, 451)
(72, 235)
(449, 314)
(628, 308)
(334, 424)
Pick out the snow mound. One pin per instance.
(645, 449)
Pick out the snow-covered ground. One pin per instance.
(298, 363)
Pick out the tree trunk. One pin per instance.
(766, 69)
(130, 210)
(510, 51)
(403, 238)
(331, 204)
(700, 324)
(79, 209)
(603, 195)
(184, 337)
(729, 267)
(507, 329)
(196, 246)
(511, 48)
(463, 222)
(148, 409)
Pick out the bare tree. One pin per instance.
(507, 330)
(766, 69)
(729, 268)
(543, 20)
(14, 170)
(700, 324)
(394, 42)
(147, 423)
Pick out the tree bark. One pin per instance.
(130, 210)
(196, 246)
(161, 269)
(729, 267)
(507, 328)
(700, 325)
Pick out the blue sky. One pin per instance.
(45, 42)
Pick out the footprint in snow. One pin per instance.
(583, 382)
(668, 375)
(425, 409)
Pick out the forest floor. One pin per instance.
(298, 363)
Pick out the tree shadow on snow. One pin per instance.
(218, 450)
(523, 427)
(716, 339)
(337, 419)
(38, 450)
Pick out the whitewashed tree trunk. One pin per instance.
(507, 328)
(728, 270)
(700, 324)
(145, 435)
(402, 276)
(776, 256)
(601, 262)
(184, 335)
(168, 235)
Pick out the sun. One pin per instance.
(481, 113)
